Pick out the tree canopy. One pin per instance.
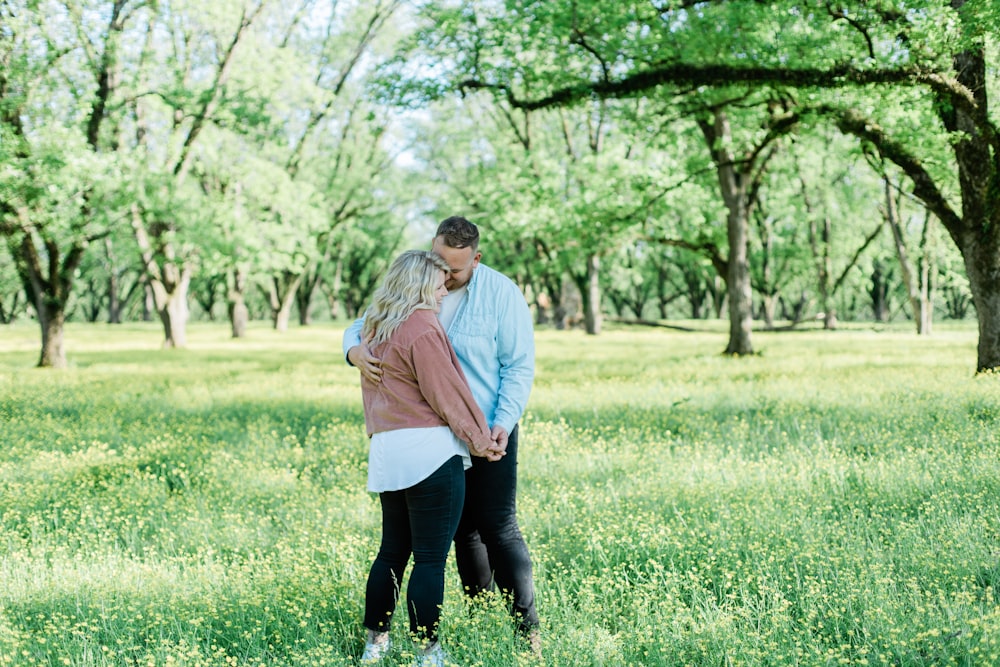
(736, 155)
(909, 80)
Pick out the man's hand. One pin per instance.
(500, 435)
(370, 366)
(497, 449)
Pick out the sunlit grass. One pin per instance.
(833, 500)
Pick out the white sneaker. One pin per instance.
(433, 656)
(374, 652)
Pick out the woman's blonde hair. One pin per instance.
(409, 285)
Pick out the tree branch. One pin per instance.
(854, 260)
(838, 76)
(853, 122)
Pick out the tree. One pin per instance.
(916, 276)
(627, 282)
(740, 177)
(819, 179)
(331, 141)
(926, 60)
(56, 192)
(779, 256)
(194, 90)
(364, 252)
(110, 281)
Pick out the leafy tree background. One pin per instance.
(653, 161)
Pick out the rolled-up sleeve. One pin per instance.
(352, 337)
(516, 354)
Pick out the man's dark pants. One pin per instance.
(489, 547)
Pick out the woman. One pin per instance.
(423, 423)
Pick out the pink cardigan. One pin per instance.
(422, 384)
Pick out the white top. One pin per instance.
(450, 304)
(399, 459)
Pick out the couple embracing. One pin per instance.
(446, 354)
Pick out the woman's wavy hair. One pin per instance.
(408, 285)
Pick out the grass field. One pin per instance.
(832, 501)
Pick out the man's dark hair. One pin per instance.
(457, 232)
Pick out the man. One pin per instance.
(489, 325)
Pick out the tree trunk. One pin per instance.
(768, 288)
(7, 315)
(829, 309)
(114, 286)
(592, 300)
(48, 281)
(333, 298)
(819, 241)
(717, 292)
(978, 237)
(916, 289)
(168, 283)
(555, 288)
(239, 315)
(662, 300)
(697, 301)
(282, 298)
(734, 181)
(879, 292)
(769, 306)
(172, 307)
(170, 302)
(738, 280)
(982, 264)
(304, 296)
(927, 270)
(542, 304)
(52, 319)
(148, 302)
(114, 302)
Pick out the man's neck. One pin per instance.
(450, 305)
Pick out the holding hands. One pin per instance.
(497, 448)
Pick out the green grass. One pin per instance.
(832, 501)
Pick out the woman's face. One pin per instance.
(440, 291)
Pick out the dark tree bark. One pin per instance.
(281, 296)
(590, 294)
(239, 315)
(736, 180)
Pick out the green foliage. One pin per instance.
(362, 253)
(831, 504)
(11, 290)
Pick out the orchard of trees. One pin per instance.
(762, 162)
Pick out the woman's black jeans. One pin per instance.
(422, 520)
(488, 544)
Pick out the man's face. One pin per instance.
(463, 261)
